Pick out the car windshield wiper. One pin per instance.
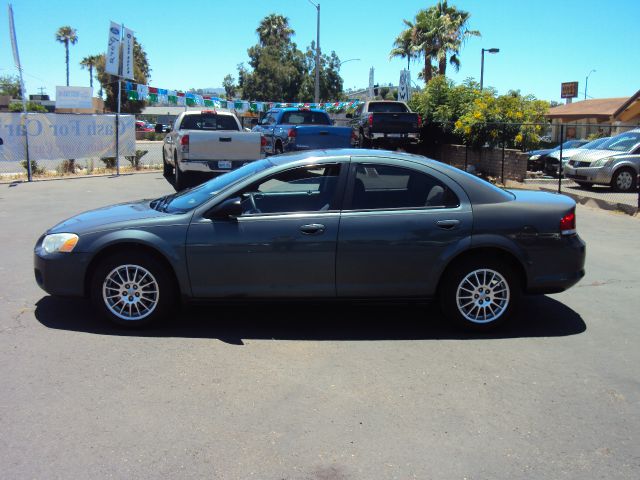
(162, 203)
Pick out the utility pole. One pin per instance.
(317, 86)
(490, 50)
(586, 83)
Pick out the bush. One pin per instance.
(135, 159)
(35, 168)
(109, 162)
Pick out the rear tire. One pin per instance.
(167, 170)
(362, 141)
(179, 179)
(277, 150)
(479, 294)
(624, 180)
(133, 289)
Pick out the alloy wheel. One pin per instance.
(130, 292)
(483, 296)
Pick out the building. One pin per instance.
(599, 115)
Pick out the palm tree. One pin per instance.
(403, 44)
(424, 39)
(67, 35)
(90, 62)
(274, 29)
(452, 36)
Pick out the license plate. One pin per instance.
(224, 164)
(394, 135)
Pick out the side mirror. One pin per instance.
(349, 115)
(231, 208)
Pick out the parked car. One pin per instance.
(553, 158)
(537, 158)
(162, 128)
(385, 124)
(142, 126)
(332, 224)
(615, 163)
(292, 129)
(206, 143)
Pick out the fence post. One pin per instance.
(466, 156)
(503, 140)
(561, 142)
(26, 146)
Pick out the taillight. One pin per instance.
(419, 121)
(184, 143)
(371, 120)
(568, 224)
(292, 133)
(263, 141)
(354, 136)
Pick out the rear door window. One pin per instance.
(304, 117)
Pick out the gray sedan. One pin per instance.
(338, 224)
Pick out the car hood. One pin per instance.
(102, 218)
(539, 152)
(567, 152)
(593, 155)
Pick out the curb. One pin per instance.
(77, 177)
(597, 202)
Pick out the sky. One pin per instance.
(194, 44)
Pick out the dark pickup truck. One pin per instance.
(385, 124)
(292, 129)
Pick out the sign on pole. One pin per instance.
(127, 52)
(404, 87)
(371, 95)
(74, 97)
(112, 62)
(569, 90)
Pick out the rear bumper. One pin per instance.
(61, 274)
(560, 268)
(392, 139)
(212, 166)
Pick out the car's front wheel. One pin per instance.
(479, 294)
(133, 290)
(624, 180)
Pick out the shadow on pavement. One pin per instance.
(540, 316)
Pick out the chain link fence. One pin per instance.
(587, 161)
(60, 145)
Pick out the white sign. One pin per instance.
(112, 60)
(56, 136)
(404, 87)
(127, 54)
(74, 97)
(371, 83)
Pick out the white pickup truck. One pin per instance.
(207, 143)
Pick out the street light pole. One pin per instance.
(490, 50)
(317, 87)
(586, 83)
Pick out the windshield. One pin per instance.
(622, 143)
(189, 199)
(597, 143)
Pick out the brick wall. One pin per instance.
(487, 161)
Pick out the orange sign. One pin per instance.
(569, 90)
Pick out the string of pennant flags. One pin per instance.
(163, 97)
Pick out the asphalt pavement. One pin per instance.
(315, 391)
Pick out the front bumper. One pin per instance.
(61, 274)
(600, 175)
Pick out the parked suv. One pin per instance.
(616, 163)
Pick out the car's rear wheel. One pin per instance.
(133, 290)
(277, 150)
(479, 294)
(179, 179)
(624, 180)
(362, 141)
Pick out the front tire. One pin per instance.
(133, 289)
(479, 294)
(624, 180)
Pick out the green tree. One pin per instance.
(109, 83)
(31, 107)
(229, 86)
(274, 29)
(67, 35)
(403, 44)
(89, 62)
(10, 85)
(331, 83)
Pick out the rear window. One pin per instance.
(387, 107)
(208, 122)
(304, 117)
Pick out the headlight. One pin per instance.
(534, 157)
(59, 242)
(603, 162)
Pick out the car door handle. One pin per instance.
(312, 229)
(224, 139)
(448, 224)
(323, 132)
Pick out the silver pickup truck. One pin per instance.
(207, 143)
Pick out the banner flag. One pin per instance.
(127, 53)
(112, 60)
